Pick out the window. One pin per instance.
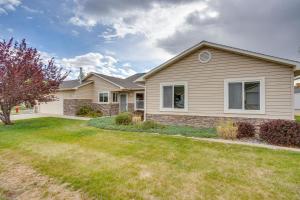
(139, 101)
(103, 97)
(244, 96)
(115, 97)
(173, 96)
(204, 56)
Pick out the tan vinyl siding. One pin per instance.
(84, 92)
(206, 84)
(102, 85)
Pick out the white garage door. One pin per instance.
(53, 107)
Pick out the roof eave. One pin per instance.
(291, 63)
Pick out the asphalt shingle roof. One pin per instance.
(126, 83)
(69, 84)
(135, 76)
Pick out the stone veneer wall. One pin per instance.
(130, 107)
(107, 109)
(199, 121)
(72, 105)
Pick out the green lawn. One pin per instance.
(108, 123)
(297, 118)
(130, 165)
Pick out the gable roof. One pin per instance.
(135, 77)
(288, 62)
(119, 82)
(69, 84)
(72, 84)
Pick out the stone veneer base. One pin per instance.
(200, 121)
(71, 106)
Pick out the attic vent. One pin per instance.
(204, 56)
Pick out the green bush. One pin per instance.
(94, 114)
(151, 125)
(84, 110)
(124, 118)
(88, 111)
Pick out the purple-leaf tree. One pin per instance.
(24, 77)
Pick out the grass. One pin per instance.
(109, 124)
(130, 165)
(297, 118)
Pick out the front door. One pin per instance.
(123, 102)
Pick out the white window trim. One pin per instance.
(204, 61)
(185, 84)
(139, 92)
(108, 96)
(243, 111)
(115, 102)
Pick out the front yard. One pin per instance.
(129, 165)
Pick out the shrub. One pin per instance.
(124, 118)
(94, 114)
(88, 111)
(151, 125)
(245, 130)
(84, 110)
(227, 130)
(281, 132)
(136, 119)
(139, 113)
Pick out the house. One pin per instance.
(211, 82)
(109, 94)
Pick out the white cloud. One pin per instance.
(88, 23)
(97, 62)
(8, 5)
(156, 22)
(31, 10)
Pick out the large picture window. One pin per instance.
(246, 95)
(173, 96)
(103, 97)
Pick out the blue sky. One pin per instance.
(121, 37)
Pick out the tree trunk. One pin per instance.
(5, 116)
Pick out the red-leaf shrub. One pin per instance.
(281, 132)
(245, 130)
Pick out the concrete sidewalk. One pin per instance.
(37, 115)
(218, 140)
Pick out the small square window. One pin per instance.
(103, 97)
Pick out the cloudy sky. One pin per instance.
(122, 37)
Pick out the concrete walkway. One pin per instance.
(268, 146)
(37, 115)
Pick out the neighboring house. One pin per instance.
(297, 100)
(211, 82)
(109, 94)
